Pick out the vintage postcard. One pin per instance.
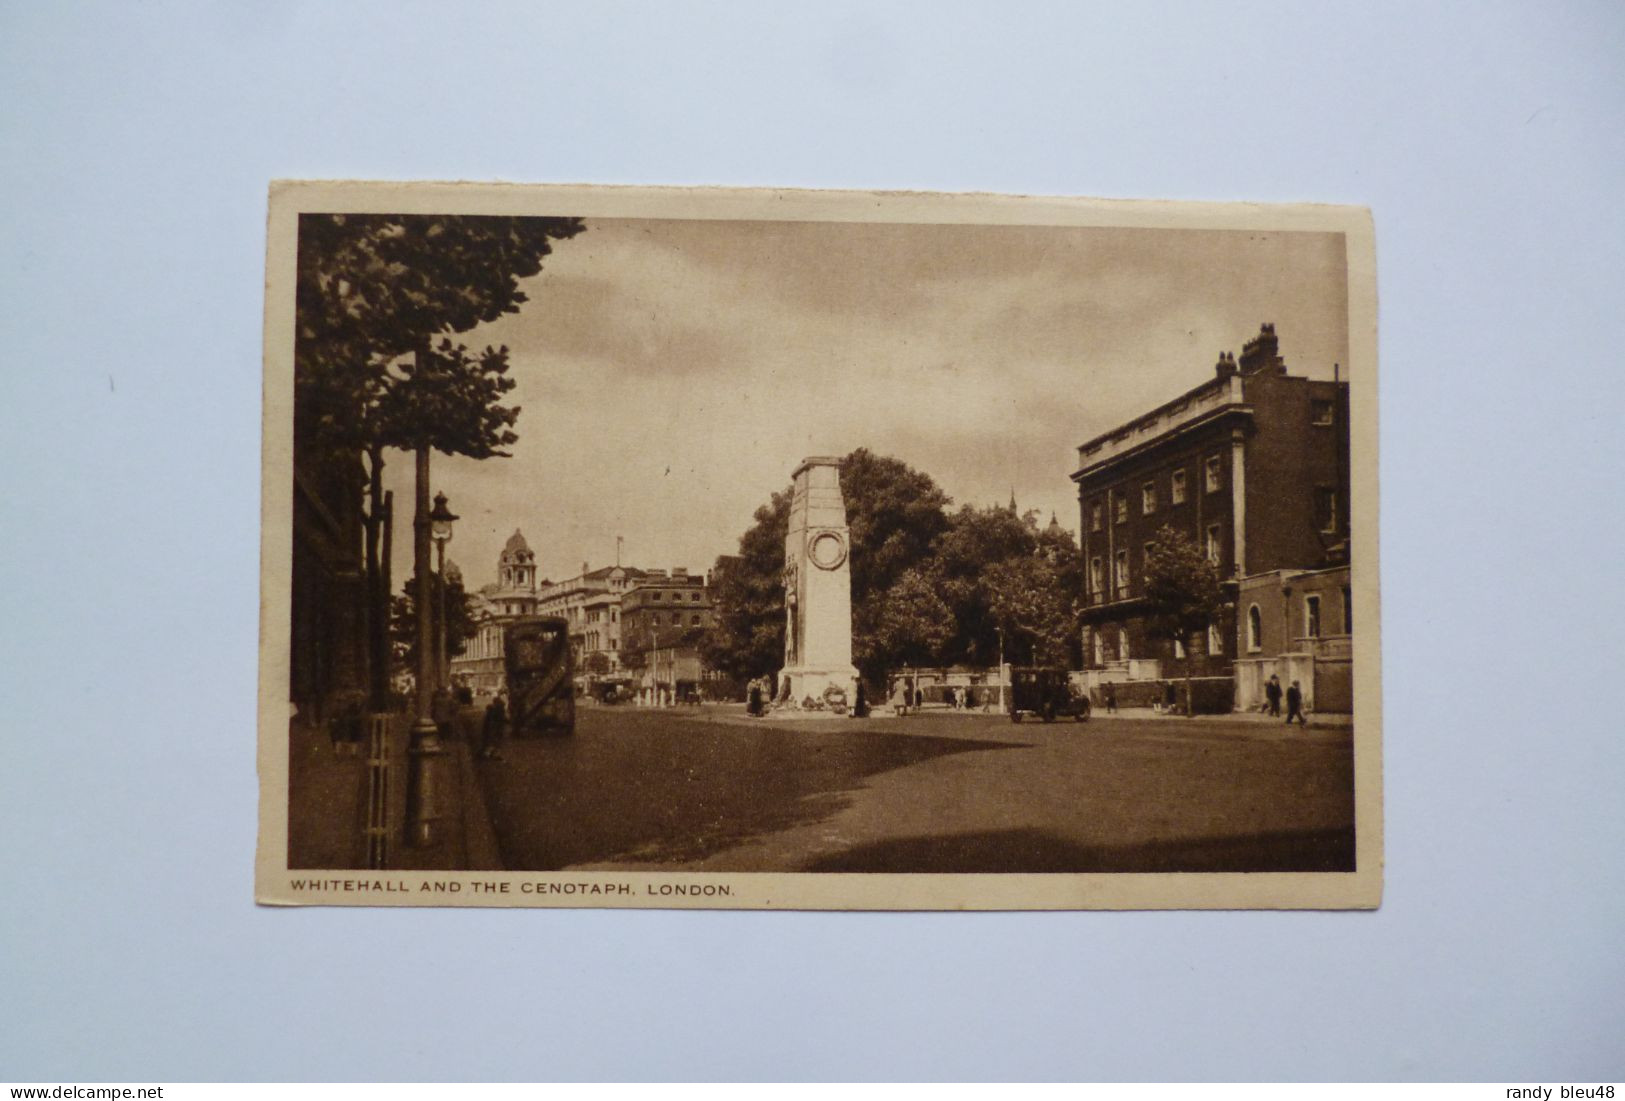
(693, 547)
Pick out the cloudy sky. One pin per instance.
(673, 373)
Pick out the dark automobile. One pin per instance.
(1046, 693)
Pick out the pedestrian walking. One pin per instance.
(1111, 698)
(443, 710)
(1272, 693)
(1294, 705)
(493, 728)
(753, 700)
(919, 697)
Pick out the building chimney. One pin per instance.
(1262, 352)
(1226, 365)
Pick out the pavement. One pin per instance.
(715, 790)
(327, 803)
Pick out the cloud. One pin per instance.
(673, 373)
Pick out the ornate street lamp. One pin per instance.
(440, 520)
(424, 751)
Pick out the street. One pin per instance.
(713, 790)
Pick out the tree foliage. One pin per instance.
(1026, 598)
(1182, 587)
(403, 621)
(928, 587)
(372, 288)
(914, 623)
(747, 593)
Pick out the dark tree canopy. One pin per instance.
(403, 622)
(1038, 616)
(372, 288)
(928, 587)
(914, 624)
(1182, 587)
(747, 592)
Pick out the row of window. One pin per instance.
(1150, 501)
(1122, 578)
(653, 620)
(660, 594)
(1094, 644)
(1094, 639)
(1312, 620)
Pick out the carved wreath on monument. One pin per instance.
(827, 550)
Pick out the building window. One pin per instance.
(1122, 644)
(1179, 649)
(1348, 611)
(1326, 509)
(694, 597)
(1097, 516)
(1100, 648)
(1321, 413)
(1215, 641)
(1211, 474)
(1120, 507)
(1148, 498)
(1122, 573)
(1214, 551)
(1311, 616)
(694, 620)
(1255, 630)
(1177, 488)
(655, 596)
(1097, 576)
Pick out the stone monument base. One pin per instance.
(814, 681)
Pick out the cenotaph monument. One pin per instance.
(817, 588)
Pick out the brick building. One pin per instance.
(662, 620)
(1252, 465)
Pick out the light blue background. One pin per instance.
(136, 142)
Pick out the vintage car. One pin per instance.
(1046, 693)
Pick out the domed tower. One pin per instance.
(516, 578)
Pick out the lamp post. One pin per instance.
(424, 751)
(440, 519)
(1003, 687)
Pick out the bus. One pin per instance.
(541, 676)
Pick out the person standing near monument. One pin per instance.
(1272, 693)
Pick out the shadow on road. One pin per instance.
(1029, 850)
(649, 789)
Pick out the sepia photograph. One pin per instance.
(760, 549)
